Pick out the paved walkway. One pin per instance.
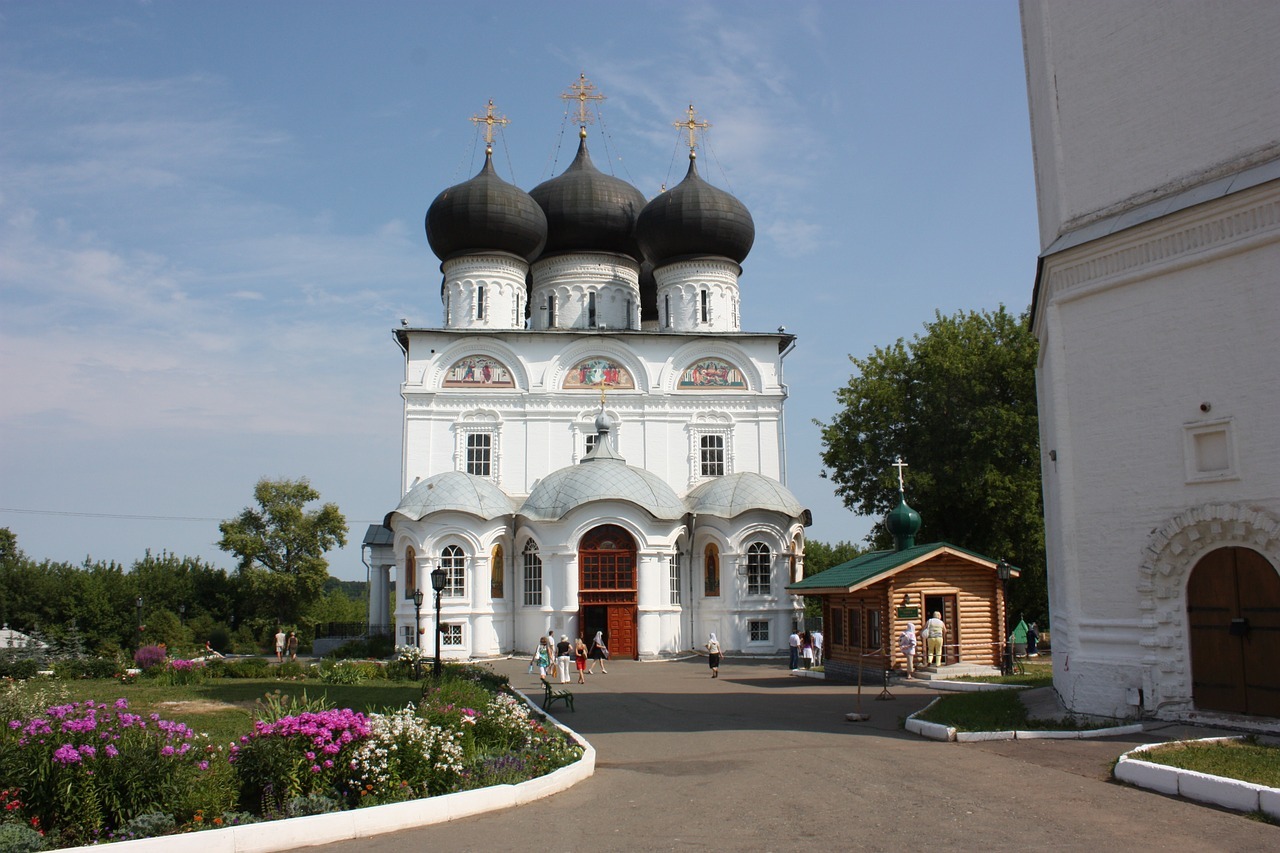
(760, 760)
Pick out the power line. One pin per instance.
(69, 513)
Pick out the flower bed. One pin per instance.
(87, 772)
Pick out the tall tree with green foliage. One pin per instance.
(281, 546)
(958, 404)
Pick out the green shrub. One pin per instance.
(75, 668)
(377, 648)
(16, 838)
(215, 668)
(19, 669)
(248, 668)
(291, 669)
(350, 671)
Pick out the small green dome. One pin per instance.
(903, 523)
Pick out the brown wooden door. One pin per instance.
(622, 631)
(1233, 615)
(607, 590)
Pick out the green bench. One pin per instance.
(551, 696)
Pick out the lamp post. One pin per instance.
(438, 576)
(1004, 571)
(417, 625)
(139, 603)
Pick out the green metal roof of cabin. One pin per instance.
(878, 564)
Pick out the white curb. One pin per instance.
(1201, 787)
(292, 833)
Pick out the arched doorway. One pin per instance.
(607, 588)
(1233, 614)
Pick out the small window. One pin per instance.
(454, 563)
(855, 627)
(837, 626)
(551, 311)
(591, 309)
(758, 560)
(758, 630)
(591, 442)
(480, 454)
(451, 635)
(629, 314)
(497, 571)
(706, 307)
(479, 301)
(712, 455)
(711, 569)
(673, 570)
(448, 313)
(666, 310)
(874, 640)
(532, 575)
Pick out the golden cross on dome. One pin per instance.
(582, 91)
(900, 465)
(692, 125)
(602, 393)
(489, 120)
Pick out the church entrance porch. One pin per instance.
(607, 591)
(1233, 617)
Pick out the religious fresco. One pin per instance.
(592, 372)
(478, 371)
(711, 373)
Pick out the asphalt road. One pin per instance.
(760, 760)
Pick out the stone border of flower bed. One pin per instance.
(291, 833)
(1201, 787)
(937, 731)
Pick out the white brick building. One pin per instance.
(1156, 130)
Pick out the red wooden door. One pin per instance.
(622, 631)
(1233, 615)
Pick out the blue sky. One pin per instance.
(211, 220)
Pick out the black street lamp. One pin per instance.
(1004, 571)
(438, 576)
(139, 603)
(417, 626)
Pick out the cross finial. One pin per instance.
(602, 394)
(582, 91)
(899, 464)
(489, 120)
(692, 125)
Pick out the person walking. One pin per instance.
(280, 638)
(817, 648)
(543, 657)
(291, 646)
(935, 631)
(598, 652)
(794, 643)
(806, 649)
(580, 658)
(907, 645)
(713, 655)
(563, 652)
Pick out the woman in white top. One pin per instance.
(713, 655)
(907, 645)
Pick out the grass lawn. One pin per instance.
(1039, 674)
(224, 707)
(993, 711)
(1246, 760)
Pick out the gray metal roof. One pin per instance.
(455, 491)
(733, 494)
(599, 480)
(378, 534)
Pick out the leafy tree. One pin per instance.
(281, 546)
(958, 404)
(818, 557)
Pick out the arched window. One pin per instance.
(532, 581)
(497, 568)
(759, 558)
(410, 572)
(711, 571)
(454, 563)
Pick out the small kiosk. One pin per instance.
(868, 601)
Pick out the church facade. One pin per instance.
(591, 441)
(1156, 305)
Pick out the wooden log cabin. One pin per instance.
(868, 601)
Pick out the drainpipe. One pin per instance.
(693, 637)
(782, 415)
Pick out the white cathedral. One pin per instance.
(591, 442)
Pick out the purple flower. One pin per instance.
(203, 765)
(66, 754)
(111, 751)
(166, 751)
(122, 704)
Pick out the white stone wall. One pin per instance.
(1148, 338)
(484, 292)
(1132, 99)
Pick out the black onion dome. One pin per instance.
(589, 211)
(695, 218)
(485, 214)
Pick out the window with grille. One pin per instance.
(855, 627)
(454, 563)
(591, 442)
(759, 559)
(874, 638)
(673, 571)
(591, 309)
(711, 567)
(837, 626)
(551, 311)
(450, 634)
(712, 455)
(758, 631)
(410, 572)
(706, 306)
(479, 301)
(532, 575)
(480, 454)
(607, 559)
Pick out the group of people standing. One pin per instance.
(286, 645)
(934, 632)
(554, 659)
(806, 647)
